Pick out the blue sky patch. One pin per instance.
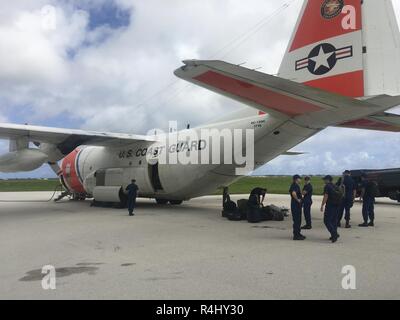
(108, 14)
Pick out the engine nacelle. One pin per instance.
(53, 153)
(22, 160)
(110, 195)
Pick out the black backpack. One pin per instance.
(254, 215)
(372, 189)
(337, 196)
(234, 216)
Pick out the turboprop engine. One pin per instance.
(22, 160)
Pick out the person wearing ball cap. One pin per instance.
(330, 207)
(296, 204)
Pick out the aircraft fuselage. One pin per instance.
(89, 167)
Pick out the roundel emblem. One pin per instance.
(322, 59)
(331, 8)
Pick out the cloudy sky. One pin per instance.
(108, 65)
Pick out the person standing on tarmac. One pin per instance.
(307, 203)
(330, 208)
(296, 203)
(132, 195)
(368, 195)
(348, 200)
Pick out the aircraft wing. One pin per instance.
(281, 98)
(66, 140)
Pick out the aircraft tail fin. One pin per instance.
(347, 47)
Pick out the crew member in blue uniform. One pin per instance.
(330, 207)
(132, 195)
(259, 196)
(368, 198)
(348, 200)
(307, 203)
(296, 204)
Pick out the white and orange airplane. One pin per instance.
(341, 68)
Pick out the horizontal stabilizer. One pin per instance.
(281, 98)
(292, 153)
(381, 121)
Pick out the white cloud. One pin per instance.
(31, 54)
(134, 62)
(335, 150)
(3, 119)
(106, 79)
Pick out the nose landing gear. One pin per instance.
(172, 202)
(161, 201)
(176, 202)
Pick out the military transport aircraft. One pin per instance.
(341, 68)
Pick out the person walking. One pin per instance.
(368, 194)
(132, 195)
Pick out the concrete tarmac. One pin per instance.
(189, 252)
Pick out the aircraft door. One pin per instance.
(154, 175)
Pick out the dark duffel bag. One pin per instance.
(242, 206)
(234, 216)
(278, 214)
(266, 214)
(230, 206)
(254, 215)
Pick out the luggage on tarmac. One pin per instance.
(337, 196)
(246, 210)
(229, 209)
(254, 215)
(242, 207)
(266, 214)
(230, 206)
(234, 215)
(278, 214)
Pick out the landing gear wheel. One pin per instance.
(176, 202)
(78, 197)
(161, 201)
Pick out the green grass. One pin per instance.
(274, 184)
(28, 185)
